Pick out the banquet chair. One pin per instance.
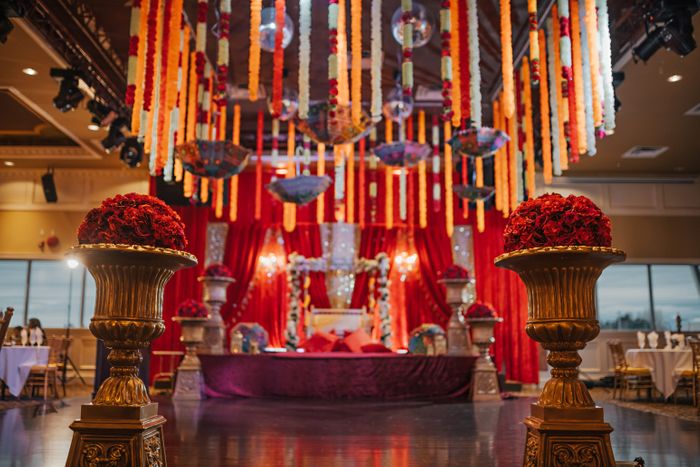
(627, 377)
(45, 377)
(163, 382)
(5, 324)
(690, 379)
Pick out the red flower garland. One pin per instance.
(133, 219)
(153, 10)
(552, 220)
(455, 271)
(481, 310)
(446, 54)
(192, 309)
(278, 60)
(217, 270)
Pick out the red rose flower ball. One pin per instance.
(481, 310)
(217, 270)
(552, 220)
(133, 219)
(192, 309)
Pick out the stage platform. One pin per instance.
(338, 375)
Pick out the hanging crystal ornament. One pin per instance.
(397, 106)
(290, 104)
(422, 21)
(268, 28)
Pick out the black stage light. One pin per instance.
(115, 136)
(668, 24)
(49, 186)
(6, 26)
(132, 152)
(102, 115)
(652, 43)
(69, 94)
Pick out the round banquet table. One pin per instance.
(17, 362)
(664, 364)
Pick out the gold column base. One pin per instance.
(118, 436)
(567, 437)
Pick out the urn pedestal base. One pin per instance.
(214, 335)
(189, 385)
(576, 437)
(118, 436)
(485, 381)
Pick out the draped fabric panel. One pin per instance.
(306, 240)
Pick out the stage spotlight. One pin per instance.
(115, 136)
(652, 43)
(668, 24)
(102, 115)
(69, 94)
(132, 152)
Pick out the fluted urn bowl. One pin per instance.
(458, 291)
(191, 335)
(129, 281)
(214, 288)
(560, 284)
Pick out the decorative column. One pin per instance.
(122, 426)
(565, 427)
(214, 296)
(189, 385)
(460, 292)
(485, 382)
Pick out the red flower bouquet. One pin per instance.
(192, 309)
(133, 219)
(455, 271)
(552, 220)
(217, 270)
(481, 310)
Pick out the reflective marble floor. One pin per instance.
(306, 433)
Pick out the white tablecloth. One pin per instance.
(665, 366)
(16, 362)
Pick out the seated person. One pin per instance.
(34, 325)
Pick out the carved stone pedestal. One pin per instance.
(214, 296)
(485, 383)
(118, 436)
(189, 385)
(558, 437)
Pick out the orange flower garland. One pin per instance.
(137, 108)
(278, 60)
(507, 60)
(350, 184)
(578, 78)
(254, 50)
(321, 171)
(233, 185)
(529, 133)
(497, 158)
(534, 42)
(592, 33)
(454, 51)
(356, 24)
(259, 166)
(290, 212)
(361, 183)
(479, 167)
(449, 213)
(422, 176)
(389, 180)
(544, 114)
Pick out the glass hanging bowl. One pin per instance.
(472, 193)
(299, 190)
(406, 154)
(212, 159)
(478, 142)
(342, 130)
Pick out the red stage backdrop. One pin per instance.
(258, 296)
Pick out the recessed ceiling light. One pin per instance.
(9, 163)
(93, 127)
(30, 71)
(674, 78)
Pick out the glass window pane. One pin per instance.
(623, 298)
(676, 292)
(13, 278)
(54, 294)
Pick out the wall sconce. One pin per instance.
(406, 263)
(270, 263)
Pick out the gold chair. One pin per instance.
(627, 377)
(45, 377)
(163, 382)
(690, 379)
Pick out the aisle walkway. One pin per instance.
(277, 433)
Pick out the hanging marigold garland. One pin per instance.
(350, 184)
(567, 75)
(534, 42)
(304, 56)
(332, 59)
(454, 50)
(373, 162)
(544, 113)
(529, 131)
(402, 175)
(562, 104)
(446, 59)
(132, 63)
(464, 63)
(174, 103)
(504, 154)
(139, 71)
(498, 204)
(590, 127)
(407, 47)
(150, 92)
(278, 60)
(435, 141)
(507, 60)
(578, 78)
(233, 184)
(422, 176)
(275, 151)
(591, 23)
(513, 160)
(356, 44)
(474, 64)
(479, 182)
(290, 211)
(376, 57)
(222, 59)
(321, 171)
(259, 166)
(606, 66)
(254, 50)
(389, 179)
(449, 213)
(361, 183)
(339, 184)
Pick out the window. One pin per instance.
(13, 282)
(623, 298)
(676, 292)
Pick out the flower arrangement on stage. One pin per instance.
(133, 219)
(455, 271)
(552, 220)
(217, 270)
(480, 310)
(191, 308)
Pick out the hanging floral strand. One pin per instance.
(479, 182)
(529, 132)
(464, 63)
(350, 183)
(134, 49)
(544, 113)
(151, 139)
(254, 50)
(376, 57)
(373, 161)
(356, 44)
(567, 75)
(402, 175)
(407, 46)
(361, 183)
(275, 151)
(562, 104)
(151, 88)
(587, 85)
(389, 179)
(498, 189)
(435, 140)
(456, 78)
(474, 64)
(173, 103)
(446, 59)
(534, 42)
(233, 184)
(332, 59)
(259, 166)
(606, 66)
(591, 24)
(422, 177)
(504, 155)
(304, 57)
(449, 213)
(278, 60)
(321, 171)
(290, 210)
(507, 60)
(139, 71)
(339, 183)
(578, 78)
(222, 59)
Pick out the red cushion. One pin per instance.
(340, 346)
(357, 339)
(375, 347)
(320, 342)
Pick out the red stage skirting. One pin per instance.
(337, 376)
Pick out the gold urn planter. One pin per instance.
(189, 384)
(122, 425)
(565, 426)
(458, 294)
(485, 383)
(214, 296)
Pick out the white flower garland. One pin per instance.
(553, 107)
(437, 191)
(606, 66)
(376, 56)
(474, 59)
(383, 265)
(587, 88)
(293, 309)
(174, 117)
(304, 56)
(407, 64)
